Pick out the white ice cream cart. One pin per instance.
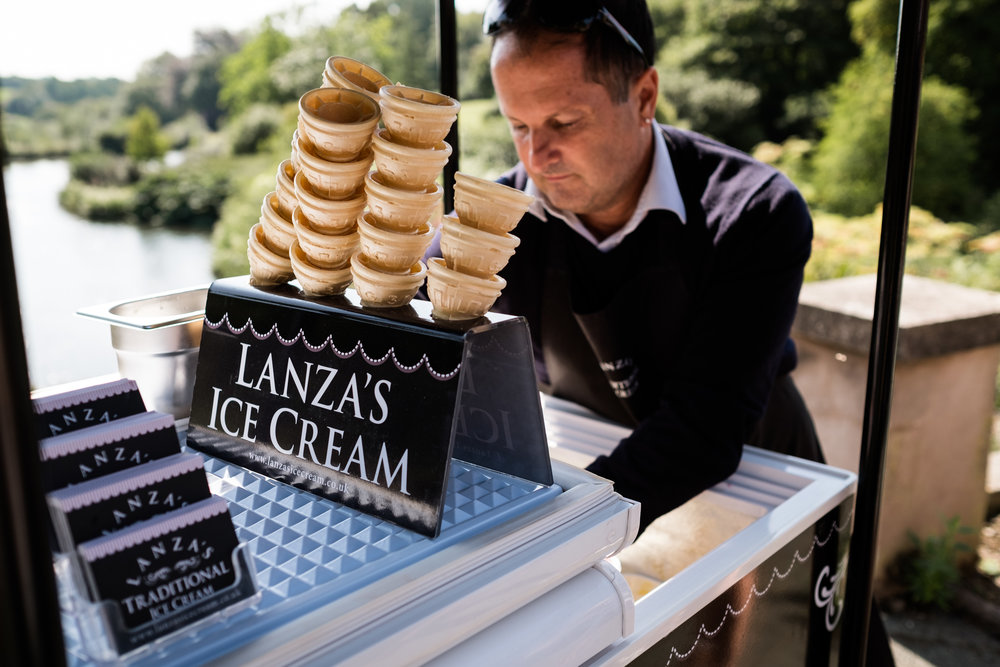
(750, 571)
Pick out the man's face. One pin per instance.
(587, 153)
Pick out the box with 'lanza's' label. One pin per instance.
(84, 511)
(78, 456)
(162, 574)
(75, 409)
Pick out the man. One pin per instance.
(659, 271)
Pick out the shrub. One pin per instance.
(930, 571)
(935, 249)
(190, 197)
(144, 140)
(484, 139)
(722, 108)
(100, 204)
(103, 169)
(850, 161)
(239, 213)
(251, 131)
(990, 216)
(112, 140)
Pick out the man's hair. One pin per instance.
(611, 61)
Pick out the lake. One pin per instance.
(63, 263)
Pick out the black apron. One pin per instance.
(595, 352)
(613, 348)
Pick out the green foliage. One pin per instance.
(102, 169)
(187, 130)
(484, 139)
(850, 161)
(397, 38)
(474, 82)
(990, 215)
(931, 571)
(200, 89)
(239, 213)
(723, 108)
(113, 140)
(404, 35)
(26, 138)
(58, 128)
(874, 24)
(961, 51)
(144, 140)
(26, 97)
(251, 130)
(97, 203)
(849, 165)
(246, 75)
(946, 154)
(183, 197)
(157, 86)
(779, 50)
(950, 252)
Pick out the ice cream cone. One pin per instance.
(294, 156)
(489, 205)
(475, 251)
(280, 232)
(407, 167)
(334, 180)
(390, 250)
(417, 117)
(460, 296)
(267, 265)
(285, 187)
(337, 123)
(378, 289)
(398, 209)
(326, 251)
(315, 280)
(329, 216)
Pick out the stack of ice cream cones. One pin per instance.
(402, 196)
(332, 220)
(476, 244)
(308, 228)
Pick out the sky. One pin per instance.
(69, 39)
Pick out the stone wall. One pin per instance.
(942, 405)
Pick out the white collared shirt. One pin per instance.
(660, 192)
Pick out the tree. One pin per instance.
(961, 51)
(474, 58)
(201, 87)
(144, 141)
(849, 164)
(405, 38)
(246, 75)
(783, 53)
(158, 86)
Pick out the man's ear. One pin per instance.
(647, 90)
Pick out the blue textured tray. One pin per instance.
(302, 546)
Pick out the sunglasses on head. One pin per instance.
(557, 16)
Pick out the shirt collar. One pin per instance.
(661, 192)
